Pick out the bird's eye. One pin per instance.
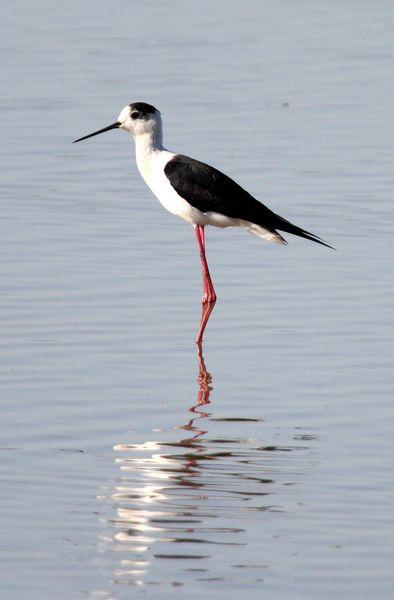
(135, 115)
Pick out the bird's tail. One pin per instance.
(288, 227)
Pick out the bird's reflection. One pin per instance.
(178, 500)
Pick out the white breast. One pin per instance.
(151, 166)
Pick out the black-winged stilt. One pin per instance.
(196, 192)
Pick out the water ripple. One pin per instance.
(180, 499)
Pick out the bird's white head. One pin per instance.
(139, 119)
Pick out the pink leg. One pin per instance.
(206, 310)
(209, 296)
(202, 233)
(209, 291)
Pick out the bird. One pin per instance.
(197, 192)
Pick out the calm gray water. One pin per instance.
(116, 479)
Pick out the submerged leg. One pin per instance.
(204, 378)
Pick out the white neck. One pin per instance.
(147, 143)
(148, 147)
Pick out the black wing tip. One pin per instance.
(298, 231)
(306, 235)
(314, 238)
(318, 240)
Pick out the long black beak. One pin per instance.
(85, 137)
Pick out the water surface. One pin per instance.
(118, 476)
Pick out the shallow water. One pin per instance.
(129, 464)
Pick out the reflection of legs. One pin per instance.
(209, 295)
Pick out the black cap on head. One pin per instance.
(142, 109)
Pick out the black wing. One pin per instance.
(209, 190)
